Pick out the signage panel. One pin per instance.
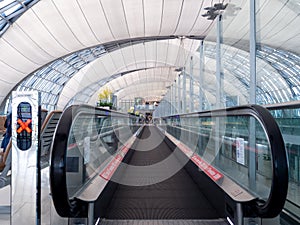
(25, 172)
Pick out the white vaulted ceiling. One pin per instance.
(64, 47)
(51, 29)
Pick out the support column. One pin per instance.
(201, 74)
(91, 214)
(219, 87)
(174, 98)
(219, 73)
(191, 86)
(184, 92)
(252, 96)
(169, 101)
(179, 94)
(219, 128)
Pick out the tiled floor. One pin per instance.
(5, 205)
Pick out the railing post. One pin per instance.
(91, 213)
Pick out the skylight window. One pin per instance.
(10, 10)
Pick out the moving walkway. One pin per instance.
(214, 167)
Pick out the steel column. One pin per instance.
(252, 129)
(201, 74)
(191, 108)
(184, 92)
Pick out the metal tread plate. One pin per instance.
(163, 222)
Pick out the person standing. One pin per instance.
(8, 132)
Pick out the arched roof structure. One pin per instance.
(69, 49)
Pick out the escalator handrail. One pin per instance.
(65, 206)
(279, 185)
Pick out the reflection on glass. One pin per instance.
(289, 124)
(224, 143)
(93, 139)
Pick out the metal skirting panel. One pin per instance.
(163, 222)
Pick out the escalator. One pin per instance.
(201, 168)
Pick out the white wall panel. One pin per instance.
(236, 27)
(175, 55)
(96, 19)
(201, 26)
(15, 59)
(99, 67)
(47, 11)
(151, 51)
(116, 19)
(128, 54)
(9, 74)
(134, 17)
(139, 52)
(27, 47)
(188, 11)
(162, 51)
(118, 61)
(37, 32)
(276, 31)
(171, 13)
(78, 25)
(109, 64)
(153, 17)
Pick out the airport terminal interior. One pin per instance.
(143, 112)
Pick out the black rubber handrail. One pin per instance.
(284, 105)
(265, 209)
(279, 185)
(58, 179)
(65, 206)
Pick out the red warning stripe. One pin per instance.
(210, 171)
(111, 167)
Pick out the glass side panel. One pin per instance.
(93, 139)
(224, 143)
(289, 124)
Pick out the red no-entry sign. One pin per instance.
(24, 126)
